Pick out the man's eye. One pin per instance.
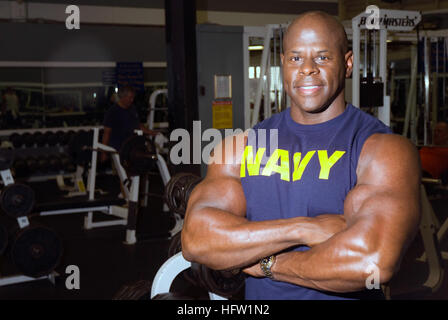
(323, 58)
(295, 58)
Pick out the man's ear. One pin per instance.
(282, 57)
(348, 63)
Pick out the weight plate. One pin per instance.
(36, 251)
(178, 191)
(17, 200)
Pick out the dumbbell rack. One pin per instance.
(23, 222)
(23, 151)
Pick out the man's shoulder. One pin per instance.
(392, 147)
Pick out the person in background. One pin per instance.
(10, 107)
(121, 120)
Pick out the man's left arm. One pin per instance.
(382, 214)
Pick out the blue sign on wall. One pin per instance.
(130, 74)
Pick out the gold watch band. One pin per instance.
(266, 265)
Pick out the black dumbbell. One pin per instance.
(28, 140)
(67, 163)
(55, 164)
(51, 138)
(32, 164)
(21, 168)
(39, 139)
(43, 163)
(16, 140)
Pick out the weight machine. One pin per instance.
(366, 90)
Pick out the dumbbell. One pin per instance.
(67, 163)
(69, 136)
(21, 168)
(43, 163)
(224, 283)
(32, 164)
(28, 139)
(51, 138)
(55, 163)
(6, 159)
(16, 140)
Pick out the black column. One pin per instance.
(180, 17)
(180, 21)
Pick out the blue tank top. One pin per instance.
(309, 172)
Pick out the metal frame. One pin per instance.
(5, 281)
(152, 106)
(431, 244)
(384, 111)
(263, 85)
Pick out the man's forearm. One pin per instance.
(332, 266)
(234, 242)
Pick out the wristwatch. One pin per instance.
(266, 265)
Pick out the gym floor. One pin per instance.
(106, 264)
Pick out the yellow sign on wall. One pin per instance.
(222, 115)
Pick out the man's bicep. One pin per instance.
(220, 192)
(387, 195)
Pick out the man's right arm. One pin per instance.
(217, 233)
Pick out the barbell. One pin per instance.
(229, 284)
(138, 154)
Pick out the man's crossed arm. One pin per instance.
(381, 216)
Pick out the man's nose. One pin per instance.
(308, 67)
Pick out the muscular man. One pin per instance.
(337, 200)
(121, 120)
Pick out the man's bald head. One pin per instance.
(318, 19)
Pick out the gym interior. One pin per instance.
(82, 220)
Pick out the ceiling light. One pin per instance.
(253, 48)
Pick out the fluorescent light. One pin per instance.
(252, 48)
